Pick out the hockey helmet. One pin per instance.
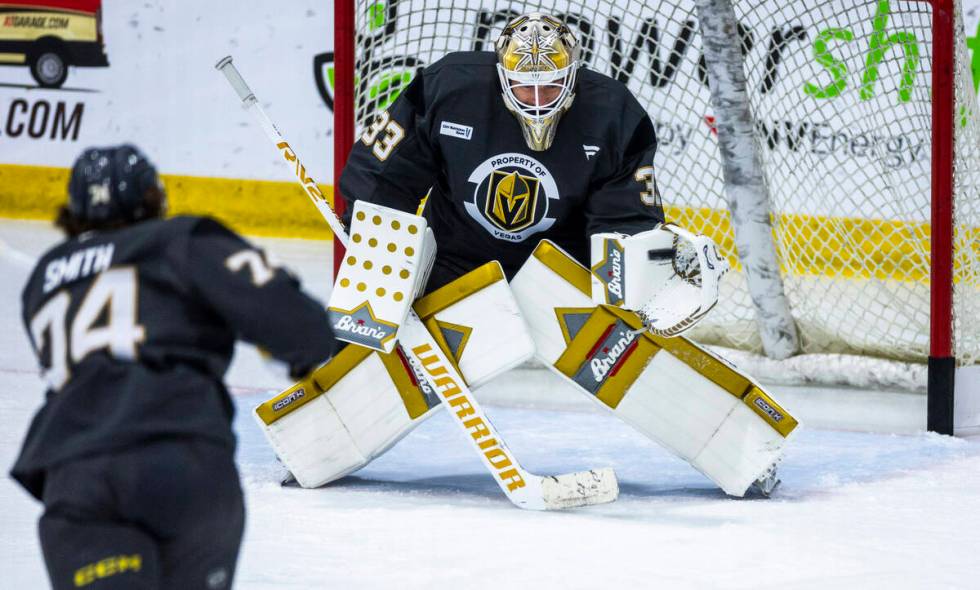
(537, 60)
(111, 184)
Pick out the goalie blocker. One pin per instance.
(388, 261)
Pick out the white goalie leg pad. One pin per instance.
(345, 414)
(360, 403)
(386, 264)
(690, 401)
(477, 322)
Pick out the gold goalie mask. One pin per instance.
(537, 61)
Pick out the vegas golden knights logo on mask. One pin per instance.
(511, 200)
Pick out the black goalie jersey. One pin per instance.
(492, 197)
(134, 329)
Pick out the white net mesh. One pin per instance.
(841, 92)
(966, 215)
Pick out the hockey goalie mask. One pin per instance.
(537, 61)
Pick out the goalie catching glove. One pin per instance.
(667, 275)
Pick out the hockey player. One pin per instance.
(516, 146)
(133, 319)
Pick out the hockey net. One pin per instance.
(840, 92)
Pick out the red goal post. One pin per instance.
(942, 364)
(913, 315)
(343, 105)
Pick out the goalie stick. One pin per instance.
(523, 488)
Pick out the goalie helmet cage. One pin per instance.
(865, 132)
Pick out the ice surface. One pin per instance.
(855, 510)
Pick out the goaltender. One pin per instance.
(514, 148)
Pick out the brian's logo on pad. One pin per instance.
(359, 326)
(609, 271)
(511, 196)
(611, 350)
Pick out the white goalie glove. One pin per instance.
(667, 275)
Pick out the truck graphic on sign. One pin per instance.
(47, 36)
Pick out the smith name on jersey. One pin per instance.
(135, 328)
(493, 197)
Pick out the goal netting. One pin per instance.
(841, 99)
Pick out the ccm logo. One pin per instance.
(298, 394)
(769, 410)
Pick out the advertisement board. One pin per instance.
(96, 72)
(158, 88)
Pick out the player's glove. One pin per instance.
(690, 288)
(667, 275)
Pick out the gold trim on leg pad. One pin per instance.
(564, 266)
(461, 288)
(288, 401)
(692, 355)
(770, 411)
(348, 412)
(416, 400)
(606, 357)
(570, 320)
(694, 403)
(313, 386)
(477, 324)
(327, 376)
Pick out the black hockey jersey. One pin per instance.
(134, 329)
(493, 197)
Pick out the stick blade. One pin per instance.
(583, 488)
